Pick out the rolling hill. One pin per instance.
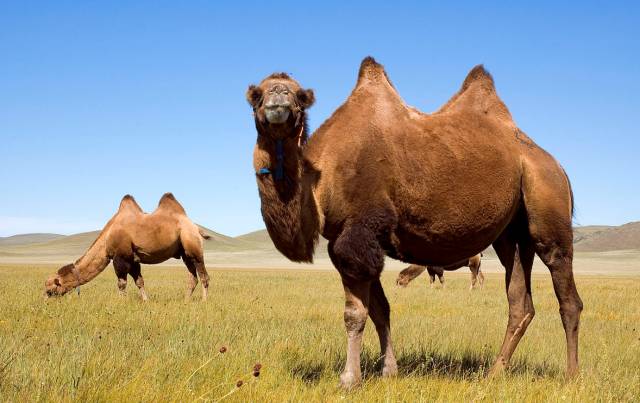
(255, 249)
(606, 238)
(25, 239)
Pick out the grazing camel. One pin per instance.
(380, 177)
(132, 237)
(407, 275)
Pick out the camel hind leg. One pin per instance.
(474, 279)
(192, 280)
(193, 257)
(554, 246)
(476, 275)
(432, 278)
(196, 266)
(549, 204)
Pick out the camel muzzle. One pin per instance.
(277, 113)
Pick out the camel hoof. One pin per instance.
(572, 373)
(390, 370)
(349, 380)
(497, 368)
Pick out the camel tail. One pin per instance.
(573, 204)
(204, 235)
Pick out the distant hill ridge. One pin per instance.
(25, 239)
(593, 238)
(601, 238)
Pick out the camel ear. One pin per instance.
(254, 95)
(56, 281)
(306, 98)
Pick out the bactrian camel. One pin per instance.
(132, 237)
(380, 177)
(473, 263)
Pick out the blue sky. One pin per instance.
(100, 99)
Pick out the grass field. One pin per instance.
(98, 346)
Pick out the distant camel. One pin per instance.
(381, 178)
(132, 237)
(413, 271)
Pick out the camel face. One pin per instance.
(53, 286)
(279, 101)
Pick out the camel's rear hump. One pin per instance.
(169, 202)
(478, 93)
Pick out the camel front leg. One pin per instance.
(359, 258)
(136, 274)
(121, 269)
(379, 313)
(355, 316)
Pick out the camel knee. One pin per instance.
(122, 284)
(192, 282)
(355, 318)
(204, 278)
(571, 310)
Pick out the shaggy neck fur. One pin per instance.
(288, 208)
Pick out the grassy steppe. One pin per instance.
(98, 346)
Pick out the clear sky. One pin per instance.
(99, 99)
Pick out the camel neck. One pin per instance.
(287, 203)
(92, 263)
(281, 160)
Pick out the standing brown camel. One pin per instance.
(132, 237)
(473, 263)
(380, 177)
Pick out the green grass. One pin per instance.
(98, 346)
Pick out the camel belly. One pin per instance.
(153, 244)
(444, 228)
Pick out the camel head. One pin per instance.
(61, 282)
(279, 105)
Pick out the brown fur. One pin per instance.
(379, 177)
(132, 237)
(473, 263)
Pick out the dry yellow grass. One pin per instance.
(98, 346)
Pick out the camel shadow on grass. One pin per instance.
(421, 363)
